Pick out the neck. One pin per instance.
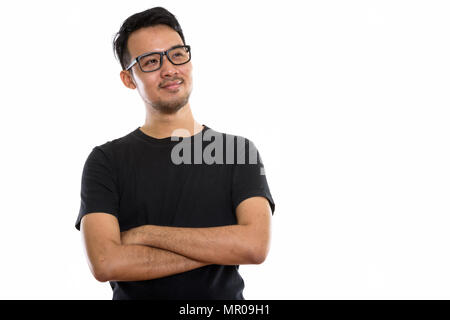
(181, 124)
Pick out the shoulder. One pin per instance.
(112, 150)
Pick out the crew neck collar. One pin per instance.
(164, 141)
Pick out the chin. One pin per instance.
(169, 106)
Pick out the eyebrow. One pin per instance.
(177, 45)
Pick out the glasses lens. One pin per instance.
(150, 62)
(179, 55)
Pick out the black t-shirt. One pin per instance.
(144, 180)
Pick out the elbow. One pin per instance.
(100, 272)
(258, 259)
(100, 276)
(103, 268)
(259, 255)
(260, 245)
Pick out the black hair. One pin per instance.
(147, 18)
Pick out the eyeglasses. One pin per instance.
(152, 61)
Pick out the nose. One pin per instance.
(167, 68)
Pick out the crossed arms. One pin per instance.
(150, 252)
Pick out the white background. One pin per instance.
(347, 102)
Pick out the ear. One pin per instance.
(127, 79)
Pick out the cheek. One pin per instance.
(186, 71)
(147, 86)
(187, 76)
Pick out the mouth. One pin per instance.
(173, 86)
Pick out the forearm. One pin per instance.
(138, 262)
(225, 245)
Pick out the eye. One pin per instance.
(152, 61)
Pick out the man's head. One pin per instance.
(154, 30)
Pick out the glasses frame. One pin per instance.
(161, 54)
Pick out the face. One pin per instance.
(150, 84)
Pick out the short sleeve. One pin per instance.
(249, 178)
(99, 192)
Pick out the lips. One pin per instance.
(172, 84)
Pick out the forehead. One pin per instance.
(154, 38)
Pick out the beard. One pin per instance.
(171, 105)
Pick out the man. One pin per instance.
(157, 222)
